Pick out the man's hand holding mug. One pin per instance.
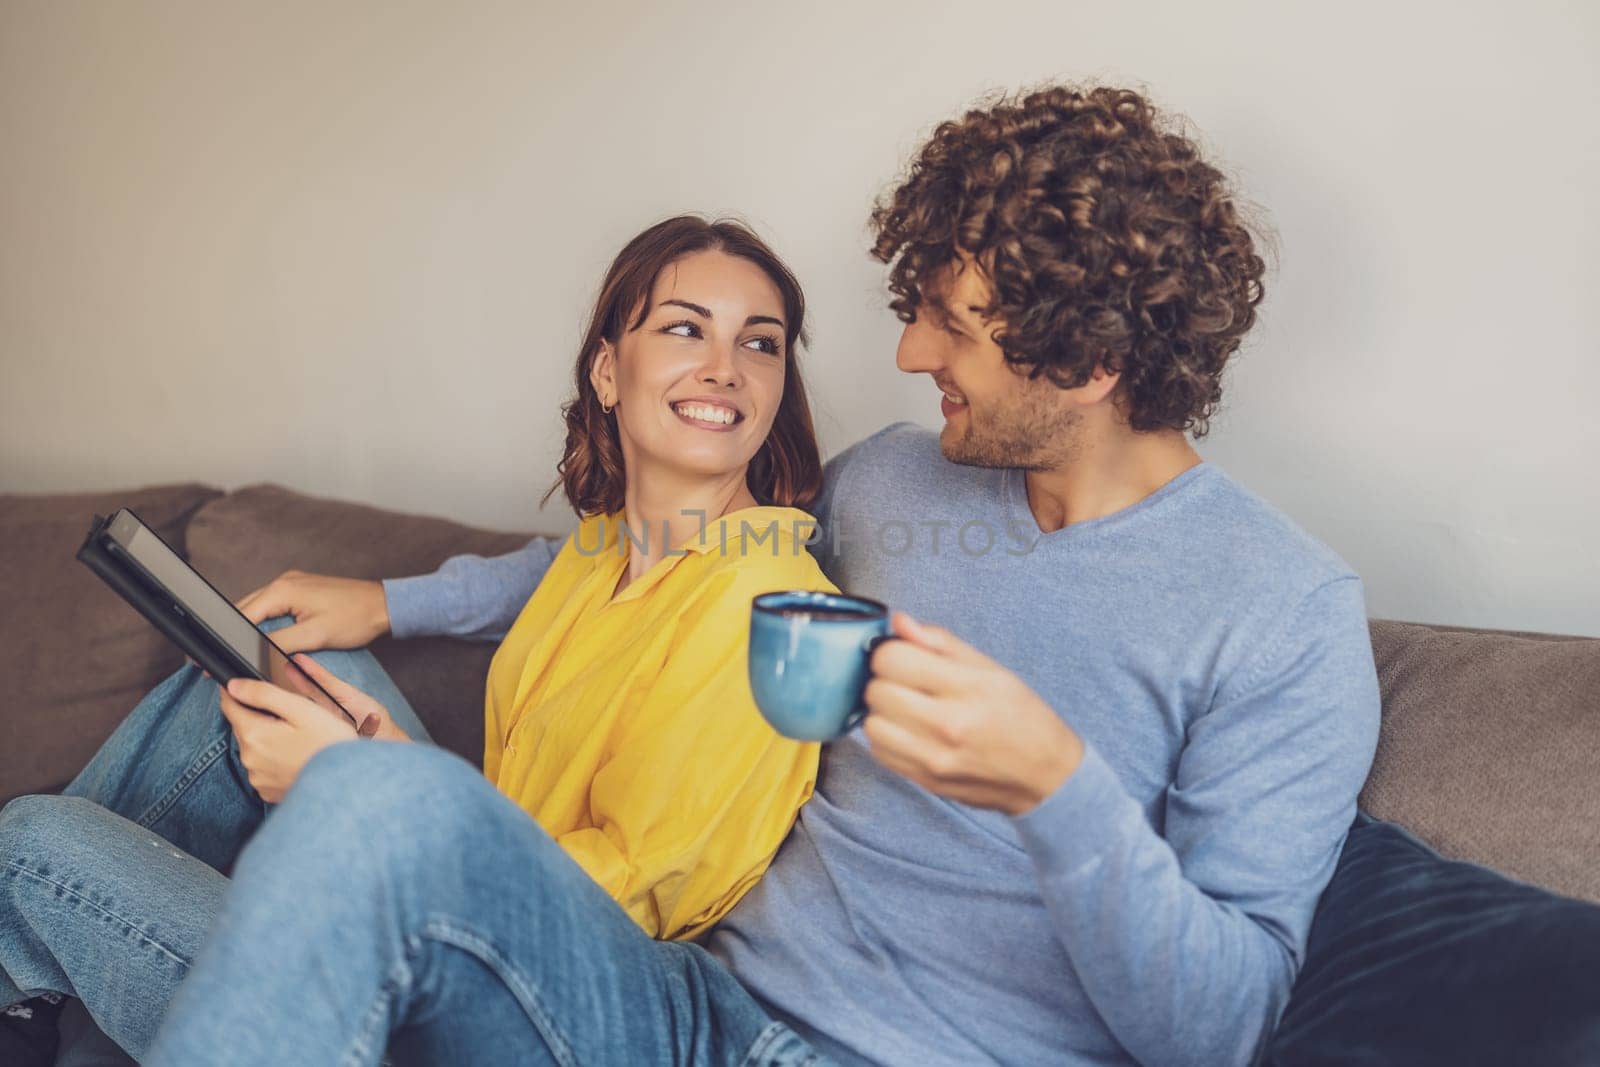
(932, 707)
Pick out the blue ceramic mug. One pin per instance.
(808, 660)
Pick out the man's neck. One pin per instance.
(1106, 475)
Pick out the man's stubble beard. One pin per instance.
(1031, 433)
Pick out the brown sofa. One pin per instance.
(1488, 751)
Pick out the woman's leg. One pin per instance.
(171, 771)
(97, 907)
(172, 766)
(396, 899)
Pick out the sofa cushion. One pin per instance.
(75, 657)
(1488, 749)
(247, 538)
(1414, 959)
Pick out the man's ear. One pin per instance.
(1101, 384)
(603, 374)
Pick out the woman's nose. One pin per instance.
(721, 368)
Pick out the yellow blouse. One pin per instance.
(625, 726)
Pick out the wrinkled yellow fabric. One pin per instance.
(625, 726)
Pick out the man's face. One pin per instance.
(994, 416)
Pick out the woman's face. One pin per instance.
(697, 385)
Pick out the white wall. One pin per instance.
(347, 247)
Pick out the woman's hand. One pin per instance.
(280, 731)
(328, 612)
(372, 718)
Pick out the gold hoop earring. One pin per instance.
(605, 410)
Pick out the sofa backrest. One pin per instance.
(1490, 749)
(73, 657)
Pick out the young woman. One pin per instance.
(619, 718)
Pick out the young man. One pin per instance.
(1092, 809)
(1089, 818)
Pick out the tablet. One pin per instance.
(145, 571)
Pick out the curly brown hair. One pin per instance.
(787, 470)
(1105, 238)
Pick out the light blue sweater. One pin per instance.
(1215, 660)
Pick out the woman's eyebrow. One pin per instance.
(704, 312)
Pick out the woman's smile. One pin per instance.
(705, 413)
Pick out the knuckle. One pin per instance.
(954, 733)
(873, 728)
(944, 764)
(957, 735)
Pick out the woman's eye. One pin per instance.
(691, 329)
(769, 345)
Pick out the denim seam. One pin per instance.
(450, 932)
(209, 755)
(400, 978)
(132, 927)
(763, 1043)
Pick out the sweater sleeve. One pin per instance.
(472, 597)
(1188, 939)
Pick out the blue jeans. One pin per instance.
(395, 900)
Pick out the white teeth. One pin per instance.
(706, 413)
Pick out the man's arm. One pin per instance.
(472, 597)
(1188, 941)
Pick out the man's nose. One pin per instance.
(919, 350)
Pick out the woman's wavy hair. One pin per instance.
(1105, 237)
(788, 468)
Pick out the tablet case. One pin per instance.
(197, 642)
